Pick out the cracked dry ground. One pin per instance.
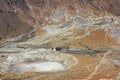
(104, 66)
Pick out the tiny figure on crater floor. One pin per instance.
(52, 49)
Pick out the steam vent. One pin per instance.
(59, 39)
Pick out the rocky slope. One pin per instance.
(81, 20)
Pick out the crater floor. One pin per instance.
(46, 64)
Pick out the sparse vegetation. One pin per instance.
(58, 48)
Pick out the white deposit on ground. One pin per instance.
(37, 67)
(39, 60)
